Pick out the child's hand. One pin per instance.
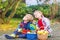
(37, 28)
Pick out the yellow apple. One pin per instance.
(45, 33)
(40, 32)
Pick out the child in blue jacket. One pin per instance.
(23, 28)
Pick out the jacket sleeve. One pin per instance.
(47, 25)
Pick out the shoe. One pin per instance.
(9, 37)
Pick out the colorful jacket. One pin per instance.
(26, 27)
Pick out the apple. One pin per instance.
(43, 32)
(40, 32)
(46, 32)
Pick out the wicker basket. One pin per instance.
(42, 37)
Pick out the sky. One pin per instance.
(34, 2)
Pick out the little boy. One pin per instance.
(43, 22)
(23, 28)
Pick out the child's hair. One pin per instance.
(29, 17)
(39, 12)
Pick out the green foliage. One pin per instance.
(3, 4)
(22, 10)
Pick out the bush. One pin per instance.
(22, 10)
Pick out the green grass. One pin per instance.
(14, 22)
(10, 26)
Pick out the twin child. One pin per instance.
(43, 23)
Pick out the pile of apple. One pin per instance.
(42, 32)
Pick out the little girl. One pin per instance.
(23, 28)
(43, 22)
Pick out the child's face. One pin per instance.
(25, 19)
(37, 15)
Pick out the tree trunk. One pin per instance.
(14, 10)
(7, 8)
(1, 21)
(10, 4)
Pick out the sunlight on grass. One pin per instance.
(11, 26)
